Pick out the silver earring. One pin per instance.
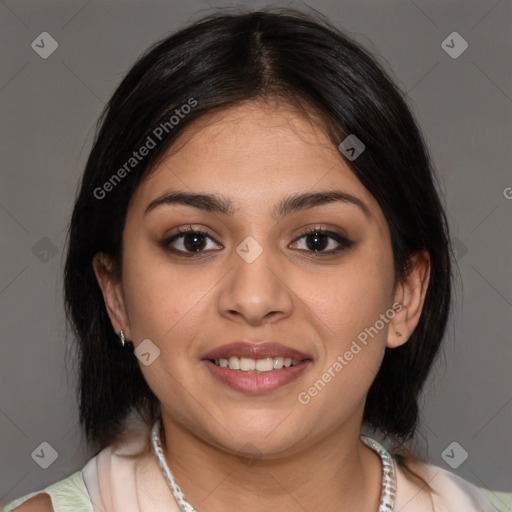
(126, 344)
(398, 334)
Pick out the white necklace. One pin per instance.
(387, 497)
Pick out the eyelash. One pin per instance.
(345, 243)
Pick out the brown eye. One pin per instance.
(192, 241)
(318, 241)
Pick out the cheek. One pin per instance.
(353, 341)
(161, 301)
(347, 310)
(352, 297)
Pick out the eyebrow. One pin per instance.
(223, 205)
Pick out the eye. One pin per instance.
(192, 242)
(319, 241)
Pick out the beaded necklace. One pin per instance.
(387, 498)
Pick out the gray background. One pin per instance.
(48, 108)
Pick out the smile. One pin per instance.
(246, 364)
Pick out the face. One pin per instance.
(256, 275)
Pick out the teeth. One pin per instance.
(234, 363)
(278, 363)
(246, 364)
(265, 365)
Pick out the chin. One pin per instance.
(268, 440)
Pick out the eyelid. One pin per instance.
(194, 230)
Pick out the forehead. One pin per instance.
(256, 154)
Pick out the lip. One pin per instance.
(256, 382)
(252, 350)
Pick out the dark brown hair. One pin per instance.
(221, 61)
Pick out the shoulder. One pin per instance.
(77, 492)
(39, 503)
(455, 491)
(450, 491)
(67, 495)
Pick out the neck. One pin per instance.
(338, 472)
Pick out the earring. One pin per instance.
(123, 338)
(398, 334)
(127, 345)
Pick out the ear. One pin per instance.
(113, 294)
(409, 298)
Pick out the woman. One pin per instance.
(258, 266)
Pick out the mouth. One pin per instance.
(256, 368)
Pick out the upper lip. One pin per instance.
(252, 350)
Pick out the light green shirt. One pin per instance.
(67, 495)
(70, 495)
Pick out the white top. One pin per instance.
(114, 482)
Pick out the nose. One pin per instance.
(255, 291)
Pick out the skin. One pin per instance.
(309, 456)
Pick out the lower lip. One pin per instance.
(253, 382)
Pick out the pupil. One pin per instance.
(316, 237)
(196, 245)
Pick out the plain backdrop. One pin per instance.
(48, 108)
